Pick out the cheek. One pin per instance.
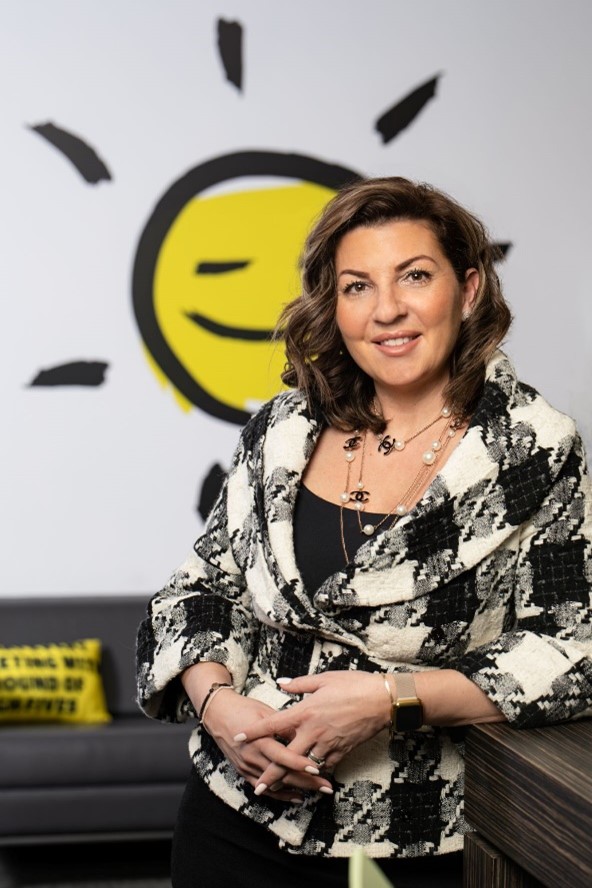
(347, 319)
(339, 320)
(444, 312)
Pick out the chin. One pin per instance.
(410, 381)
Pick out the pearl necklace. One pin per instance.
(360, 496)
(388, 444)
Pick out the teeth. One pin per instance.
(401, 340)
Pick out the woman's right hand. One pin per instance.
(226, 715)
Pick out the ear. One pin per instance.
(469, 291)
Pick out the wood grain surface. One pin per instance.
(486, 867)
(529, 794)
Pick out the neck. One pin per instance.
(407, 410)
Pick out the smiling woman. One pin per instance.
(400, 308)
(401, 541)
(441, 229)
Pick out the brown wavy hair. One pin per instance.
(317, 360)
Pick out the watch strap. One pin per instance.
(405, 684)
(408, 709)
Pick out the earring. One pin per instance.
(466, 314)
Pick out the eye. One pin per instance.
(355, 287)
(417, 276)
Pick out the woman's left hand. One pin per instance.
(340, 711)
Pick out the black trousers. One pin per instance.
(216, 847)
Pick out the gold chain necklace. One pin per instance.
(360, 496)
(387, 443)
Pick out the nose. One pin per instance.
(390, 304)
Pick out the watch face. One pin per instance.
(409, 715)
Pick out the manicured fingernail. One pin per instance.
(240, 738)
(310, 769)
(326, 789)
(296, 800)
(260, 789)
(276, 786)
(283, 681)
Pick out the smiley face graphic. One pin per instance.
(215, 264)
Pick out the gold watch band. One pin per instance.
(405, 684)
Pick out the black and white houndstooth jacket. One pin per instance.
(490, 574)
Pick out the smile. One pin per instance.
(229, 332)
(400, 340)
(395, 340)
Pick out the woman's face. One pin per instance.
(399, 305)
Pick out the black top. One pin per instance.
(317, 537)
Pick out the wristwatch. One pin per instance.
(407, 709)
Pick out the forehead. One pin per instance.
(398, 239)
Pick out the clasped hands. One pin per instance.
(339, 710)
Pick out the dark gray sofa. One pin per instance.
(65, 783)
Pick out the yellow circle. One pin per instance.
(224, 270)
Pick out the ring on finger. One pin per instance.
(315, 758)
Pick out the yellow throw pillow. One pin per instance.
(53, 683)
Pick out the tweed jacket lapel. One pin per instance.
(474, 504)
(289, 441)
(490, 485)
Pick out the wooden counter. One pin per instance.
(529, 796)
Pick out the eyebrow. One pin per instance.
(401, 267)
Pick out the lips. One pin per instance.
(395, 339)
(400, 340)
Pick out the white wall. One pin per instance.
(98, 485)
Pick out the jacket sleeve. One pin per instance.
(540, 671)
(202, 614)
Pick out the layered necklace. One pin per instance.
(388, 444)
(360, 496)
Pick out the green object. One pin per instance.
(364, 873)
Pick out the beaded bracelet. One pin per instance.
(217, 686)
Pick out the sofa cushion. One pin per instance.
(52, 683)
(114, 619)
(128, 751)
(37, 814)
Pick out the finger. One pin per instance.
(312, 757)
(295, 756)
(271, 776)
(290, 757)
(289, 792)
(282, 724)
(303, 684)
(272, 759)
(258, 757)
(254, 760)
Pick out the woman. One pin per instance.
(401, 549)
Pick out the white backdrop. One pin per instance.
(99, 485)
